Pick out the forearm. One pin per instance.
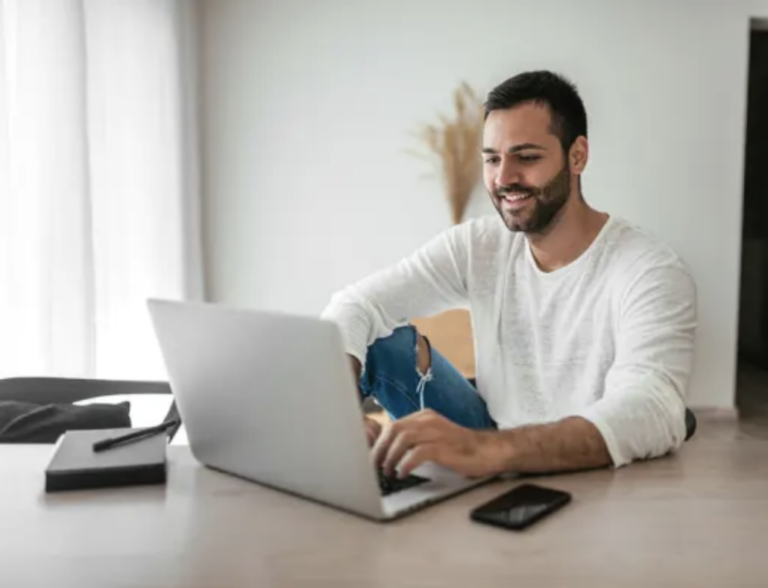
(570, 444)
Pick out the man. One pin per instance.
(584, 325)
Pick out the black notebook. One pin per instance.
(75, 465)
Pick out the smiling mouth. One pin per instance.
(514, 197)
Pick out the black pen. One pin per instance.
(134, 435)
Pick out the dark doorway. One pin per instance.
(752, 388)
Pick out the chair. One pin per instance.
(70, 390)
(690, 423)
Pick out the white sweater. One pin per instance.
(609, 337)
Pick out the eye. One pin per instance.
(529, 158)
(492, 159)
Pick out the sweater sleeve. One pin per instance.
(427, 282)
(642, 412)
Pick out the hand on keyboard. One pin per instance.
(391, 484)
(427, 436)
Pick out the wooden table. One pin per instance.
(699, 518)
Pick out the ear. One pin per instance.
(578, 155)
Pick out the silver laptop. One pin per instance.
(271, 398)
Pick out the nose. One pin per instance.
(507, 173)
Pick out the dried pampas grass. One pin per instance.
(456, 143)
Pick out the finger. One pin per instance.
(386, 436)
(416, 432)
(405, 440)
(418, 421)
(383, 441)
(416, 457)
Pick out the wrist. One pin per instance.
(496, 453)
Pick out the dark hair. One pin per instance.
(569, 118)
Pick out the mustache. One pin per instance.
(517, 189)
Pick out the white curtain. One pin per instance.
(98, 182)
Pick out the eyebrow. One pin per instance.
(516, 148)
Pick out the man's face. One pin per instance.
(525, 170)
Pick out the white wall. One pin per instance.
(308, 105)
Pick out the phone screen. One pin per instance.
(521, 506)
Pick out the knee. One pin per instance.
(423, 353)
(403, 344)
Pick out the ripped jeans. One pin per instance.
(392, 377)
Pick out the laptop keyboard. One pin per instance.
(392, 484)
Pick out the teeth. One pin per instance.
(515, 198)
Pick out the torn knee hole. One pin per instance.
(423, 355)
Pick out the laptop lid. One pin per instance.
(269, 397)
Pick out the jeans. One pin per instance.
(392, 377)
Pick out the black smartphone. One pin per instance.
(520, 507)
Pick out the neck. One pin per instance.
(570, 234)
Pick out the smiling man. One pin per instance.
(584, 325)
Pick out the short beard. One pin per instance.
(549, 201)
